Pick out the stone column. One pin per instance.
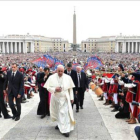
(32, 47)
(24, 47)
(7, 47)
(19, 47)
(132, 47)
(136, 47)
(128, 47)
(117, 47)
(3, 47)
(11, 47)
(15, 47)
(139, 47)
(124, 47)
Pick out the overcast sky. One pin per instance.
(55, 19)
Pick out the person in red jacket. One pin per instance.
(131, 96)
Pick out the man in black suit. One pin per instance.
(2, 104)
(71, 72)
(15, 82)
(73, 75)
(81, 85)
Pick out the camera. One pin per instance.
(1, 72)
(120, 90)
(135, 103)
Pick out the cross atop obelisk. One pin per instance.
(74, 28)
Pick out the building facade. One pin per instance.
(60, 45)
(16, 44)
(127, 44)
(103, 44)
(118, 44)
(31, 43)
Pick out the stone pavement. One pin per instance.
(89, 125)
(117, 128)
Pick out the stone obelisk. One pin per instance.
(74, 27)
(74, 31)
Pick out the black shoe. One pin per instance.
(81, 107)
(114, 110)
(0, 116)
(28, 97)
(101, 99)
(23, 101)
(8, 117)
(13, 117)
(48, 114)
(43, 116)
(17, 118)
(77, 110)
(56, 127)
(66, 134)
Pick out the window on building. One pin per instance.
(54, 44)
(60, 44)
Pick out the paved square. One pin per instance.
(89, 126)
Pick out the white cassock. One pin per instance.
(60, 105)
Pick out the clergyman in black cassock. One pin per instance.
(43, 107)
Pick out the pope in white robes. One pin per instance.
(61, 86)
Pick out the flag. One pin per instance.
(57, 62)
(74, 65)
(47, 60)
(93, 62)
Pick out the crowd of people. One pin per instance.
(119, 78)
